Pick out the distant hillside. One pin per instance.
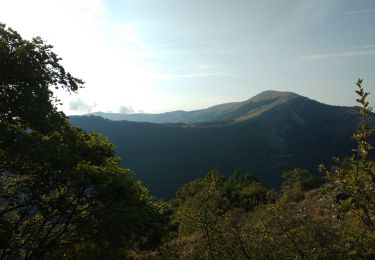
(270, 133)
(235, 111)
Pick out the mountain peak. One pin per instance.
(273, 94)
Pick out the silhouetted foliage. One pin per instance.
(63, 193)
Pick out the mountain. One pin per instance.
(265, 135)
(235, 111)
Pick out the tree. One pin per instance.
(30, 130)
(353, 183)
(29, 70)
(296, 183)
(200, 213)
(62, 191)
(246, 192)
(211, 213)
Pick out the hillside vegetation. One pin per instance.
(64, 195)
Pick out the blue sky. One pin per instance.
(162, 55)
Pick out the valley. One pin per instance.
(265, 135)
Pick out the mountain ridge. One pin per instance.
(289, 132)
(232, 111)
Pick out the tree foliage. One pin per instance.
(62, 191)
(296, 183)
(29, 71)
(353, 185)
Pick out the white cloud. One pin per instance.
(80, 106)
(205, 74)
(361, 47)
(126, 110)
(360, 11)
(365, 50)
(204, 66)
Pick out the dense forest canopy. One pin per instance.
(64, 195)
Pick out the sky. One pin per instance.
(156, 56)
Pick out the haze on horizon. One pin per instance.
(163, 55)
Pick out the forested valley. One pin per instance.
(64, 194)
